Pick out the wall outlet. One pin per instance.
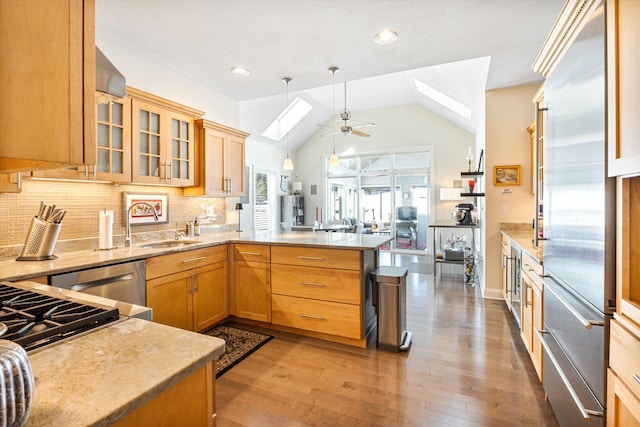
(504, 209)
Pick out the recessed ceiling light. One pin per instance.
(386, 37)
(240, 71)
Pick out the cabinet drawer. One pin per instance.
(623, 356)
(319, 316)
(532, 268)
(167, 264)
(506, 243)
(259, 253)
(316, 257)
(316, 283)
(531, 263)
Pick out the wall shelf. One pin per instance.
(471, 173)
(471, 194)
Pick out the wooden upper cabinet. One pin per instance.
(114, 141)
(113, 162)
(47, 58)
(10, 183)
(220, 166)
(623, 87)
(162, 140)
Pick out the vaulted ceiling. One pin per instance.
(458, 47)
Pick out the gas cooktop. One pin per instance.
(36, 318)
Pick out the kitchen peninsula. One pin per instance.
(134, 361)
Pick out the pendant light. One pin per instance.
(288, 164)
(334, 161)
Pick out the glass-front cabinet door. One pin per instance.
(114, 141)
(148, 165)
(113, 130)
(181, 161)
(162, 146)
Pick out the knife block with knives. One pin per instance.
(43, 234)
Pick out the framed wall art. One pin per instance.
(142, 214)
(506, 175)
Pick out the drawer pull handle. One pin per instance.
(314, 258)
(585, 322)
(637, 378)
(251, 253)
(310, 316)
(184, 261)
(320, 285)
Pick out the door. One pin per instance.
(210, 302)
(171, 300)
(264, 200)
(252, 291)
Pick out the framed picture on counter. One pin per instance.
(143, 214)
(506, 175)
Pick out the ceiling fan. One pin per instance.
(345, 116)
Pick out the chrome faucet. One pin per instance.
(127, 223)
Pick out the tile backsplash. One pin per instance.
(84, 201)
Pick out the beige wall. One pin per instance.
(508, 114)
(83, 201)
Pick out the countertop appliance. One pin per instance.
(463, 214)
(37, 318)
(579, 252)
(124, 282)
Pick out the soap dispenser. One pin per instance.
(196, 227)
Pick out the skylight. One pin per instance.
(295, 111)
(443, 99)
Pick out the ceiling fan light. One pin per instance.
(288, 164)
(240, 71)
(386, 37)
(334, 161)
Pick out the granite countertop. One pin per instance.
(522, 236)
(98, 378)
(10, 269)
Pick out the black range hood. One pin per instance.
(108, 79)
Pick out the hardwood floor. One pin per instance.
(467, 366)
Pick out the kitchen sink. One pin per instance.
(168, 244)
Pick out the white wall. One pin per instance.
(269, 156)
(153, 78)
(508, 114)
(406, 128)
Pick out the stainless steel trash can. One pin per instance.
(389, 296)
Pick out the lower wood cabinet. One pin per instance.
(532, 310)
(623, 381)
(506, 265)
(318, 290)
(326, 317)
(191, 402)
(252, 282)
(194, 296)
(623, 406)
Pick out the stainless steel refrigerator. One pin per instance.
(292, 210)
(579, 250)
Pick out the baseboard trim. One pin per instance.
(492, 293)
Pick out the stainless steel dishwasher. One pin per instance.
(121, 282)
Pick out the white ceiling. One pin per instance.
(459, 47)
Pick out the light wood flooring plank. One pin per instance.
(467, 366)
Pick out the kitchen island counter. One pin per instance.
(83, 259)
(98, 378)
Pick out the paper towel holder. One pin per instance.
(105, 227)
